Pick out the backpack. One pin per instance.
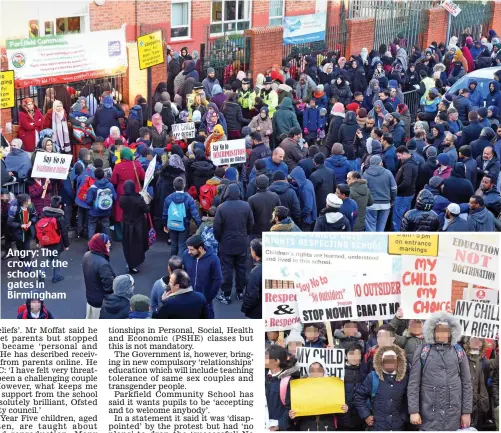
(207, 194)
(84, 188)
(425, 351)
(175, 216)
(23, 309)
(375, 386)
(104, 198)
(47, 231)
(209, 239)
(284, 382)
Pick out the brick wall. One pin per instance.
(260, 13)
(111, 15)
(436, 30)
(457, 292)
(496, 17)
(266, 48)
(299, 7)
(333, 12)
(360, 35)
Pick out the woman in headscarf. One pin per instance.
(216, 135)
(135, 226)
(173, 69)
(211, 119)
(469, 59)
(378, 113)
(114, 135)
(30, 124)
(134, 122)
(377, 68)
(370, 95)
(326, 74)
(128, 169)
(416, 54)
(157, 96)
(185, 89)
(341, 90)
(458, 57)
(232, 111)
(259, 82)
(60, 126)
(159, 132)
(364, 56)
(98, 273)
(359, 82)
(402, 58)
(47, 145)
(61, 94)
(456, 73)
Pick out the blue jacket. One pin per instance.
(390, 159)
(105, 118)
(399, 134)
(310, 121)
(276, 410)
(270, 165)
(494, 98)
(73, 175)
(349, 209)
(91, 197)
(458, 225)
(340, 166)
(476, 98)
(67, 193)
(189, 204)
(306, 196)
(205, 273)
(321, 102)
(79, 182)
(439, 205)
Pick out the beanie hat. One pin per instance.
(392, 84)
(165, 96)
(338, 108)
(279, 175)
(231, 174)
(465, 151)
(140, 303)
(396, 115)
(376, 147)
(246, 130)
(178, 183)
(294, 336)
(337, 149)
(431, 152)
(319, 88)
(211, 71)
(353, 106)
(334, 201)
(260, 164)
(197, 116)
(443, 159)
(454, 209)
(295, 130)
(319, 158)
(433, 92)
(158, 107)
(375, 160)
(262, 182)
(123, 285)
(435, 181)
(362, 113)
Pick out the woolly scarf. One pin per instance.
(60, 128)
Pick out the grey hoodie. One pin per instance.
(382, 186)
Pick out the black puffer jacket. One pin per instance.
(233, 115)
(342, 91)
(352, 380)
(115, 307)
(288, 198)
(98, 277)
(200, 172)
(421, 219)
(347, 134)
(164, 188)
(333, 133)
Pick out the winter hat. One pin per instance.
(295, 130)
(108, 101)
(433, 92)
(375, 160)
(140, 303)
(465, 151)
(443, 159)
(76, 107)
(396, 115)
(294, 336)
(262, 182)
(334, 201)
(197, 116)
(323, 111)
(482, 112)
(165, 96)
(231, 174)
(319, 158)
(376, 147)
(469, 40)
(246, 130)
(264, 108)
(362, 113)
(141, 149)
(178, 99)
(259, 164)
(338, 108)
(353, 106)
(435, 181)
(158, 107)
(278, 175)
(211, 71)
(337, 149)
(454, 209)
(319, 88)
(392, 84)
(411, 145)
(431, 152)
(123, 285)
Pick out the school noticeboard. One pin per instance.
(150, 50)
(7, 98)
(317, 396)
(280, 309)
(331, 359)
(478, 319)
(413, 245)
(301, 29)
(183, 130)
(65, 58)
(51, 165)
(228, 152)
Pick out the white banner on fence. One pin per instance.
(280, 309)
(183, 130)
(332, 359)
(51, 165)
(478, 319)
(228, 152)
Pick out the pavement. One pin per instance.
(73, 307)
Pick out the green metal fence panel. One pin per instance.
(473, 20)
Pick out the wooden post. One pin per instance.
(45, 186)
(281, 339)
(328, 329)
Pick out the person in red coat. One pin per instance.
(36, 190)
(127, 169)
(469, 58)
(30, 124)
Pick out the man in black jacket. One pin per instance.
(251, 305)
(259, 149)
(471, 132)
(262, 204)
(487, 165)
(406, 185)
(463, 105)
(287, 195)
(232, 226)
(492, 199)
(323, 180)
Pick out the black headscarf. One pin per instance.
(130, 188)
(458, 170)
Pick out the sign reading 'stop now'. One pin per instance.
(64, 58)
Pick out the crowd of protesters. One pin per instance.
(403, 375)
(330, 144)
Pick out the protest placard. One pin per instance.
(376, 297)
(51, 165)
(308, 396)
(481, 294)
(325, 296)
(426, 286)
(332, 359)
(478, 319)
(280, 309)
(413, 245)
(150, 171)
(228, 152)
(183, 130)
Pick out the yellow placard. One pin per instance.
(317, 396)
(150, 50)
(413, 245)
(7, 96)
